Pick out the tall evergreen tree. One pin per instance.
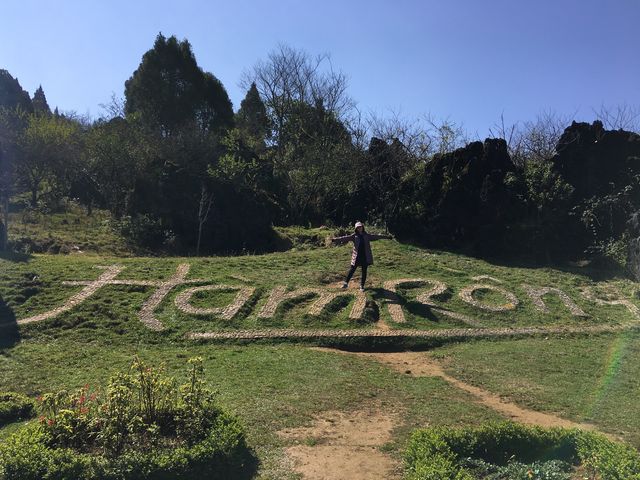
(11, 93)
(185, 114)
(169, 91)
(252, 118)
(39, 102)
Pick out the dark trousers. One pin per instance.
(363, 277)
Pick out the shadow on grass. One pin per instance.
(594, 269)
(416, 308)
(15, 256)
(9, 333)
(249, 468)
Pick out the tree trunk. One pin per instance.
(4, 224)
(203, 214)
(3, 236)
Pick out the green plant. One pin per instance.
(14, 407)
(513, 470)
(146, 427)
(498, 451)
(609, 460)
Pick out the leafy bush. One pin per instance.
(146, 428)
(610, 460)
(429, 457)
(549, 470)
(144, 230)
(512, 451)
(14, 407)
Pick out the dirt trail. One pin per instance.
(419, 364)
(340, 445)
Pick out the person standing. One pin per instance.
(361, 255)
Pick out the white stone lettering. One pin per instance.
(589, 294)
(183, 300)
(279, 294)
(536, 294)
(466, 294)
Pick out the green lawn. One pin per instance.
(277, 385)
(592, 379)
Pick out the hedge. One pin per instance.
(438, 453)
(222, 454)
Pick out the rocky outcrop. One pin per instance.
(596, 161)
(466, 193)
(603, 167)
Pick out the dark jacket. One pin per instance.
(367, 238)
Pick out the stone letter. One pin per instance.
(466, 294)
(589, 294)
(536, 294)
(183, 299)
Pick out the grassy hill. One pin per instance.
(282, 383)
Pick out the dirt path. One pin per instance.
(341, 445)
(420, 365)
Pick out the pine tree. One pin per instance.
(169, 91)
(252, 117)
(11, 93)
(39, 102)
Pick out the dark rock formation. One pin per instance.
(465, 198)
(597, 161)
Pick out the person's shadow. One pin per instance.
(9, 333)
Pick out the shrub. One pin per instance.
(610, 460)
(510, 450)
(146, 427)
(14, 407)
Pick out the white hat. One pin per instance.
(359, 224)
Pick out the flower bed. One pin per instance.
(145, 427)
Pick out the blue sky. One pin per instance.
(469, 61)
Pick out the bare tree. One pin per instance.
(409, 132)
(422, 137)
(204, 207)
(532, 140)
(309, 110)
(620, 117)
(446, 135)
(289, 76)
(114, 108)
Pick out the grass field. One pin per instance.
(277, 385)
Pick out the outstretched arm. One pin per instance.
(379, 236)
(341, 240)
